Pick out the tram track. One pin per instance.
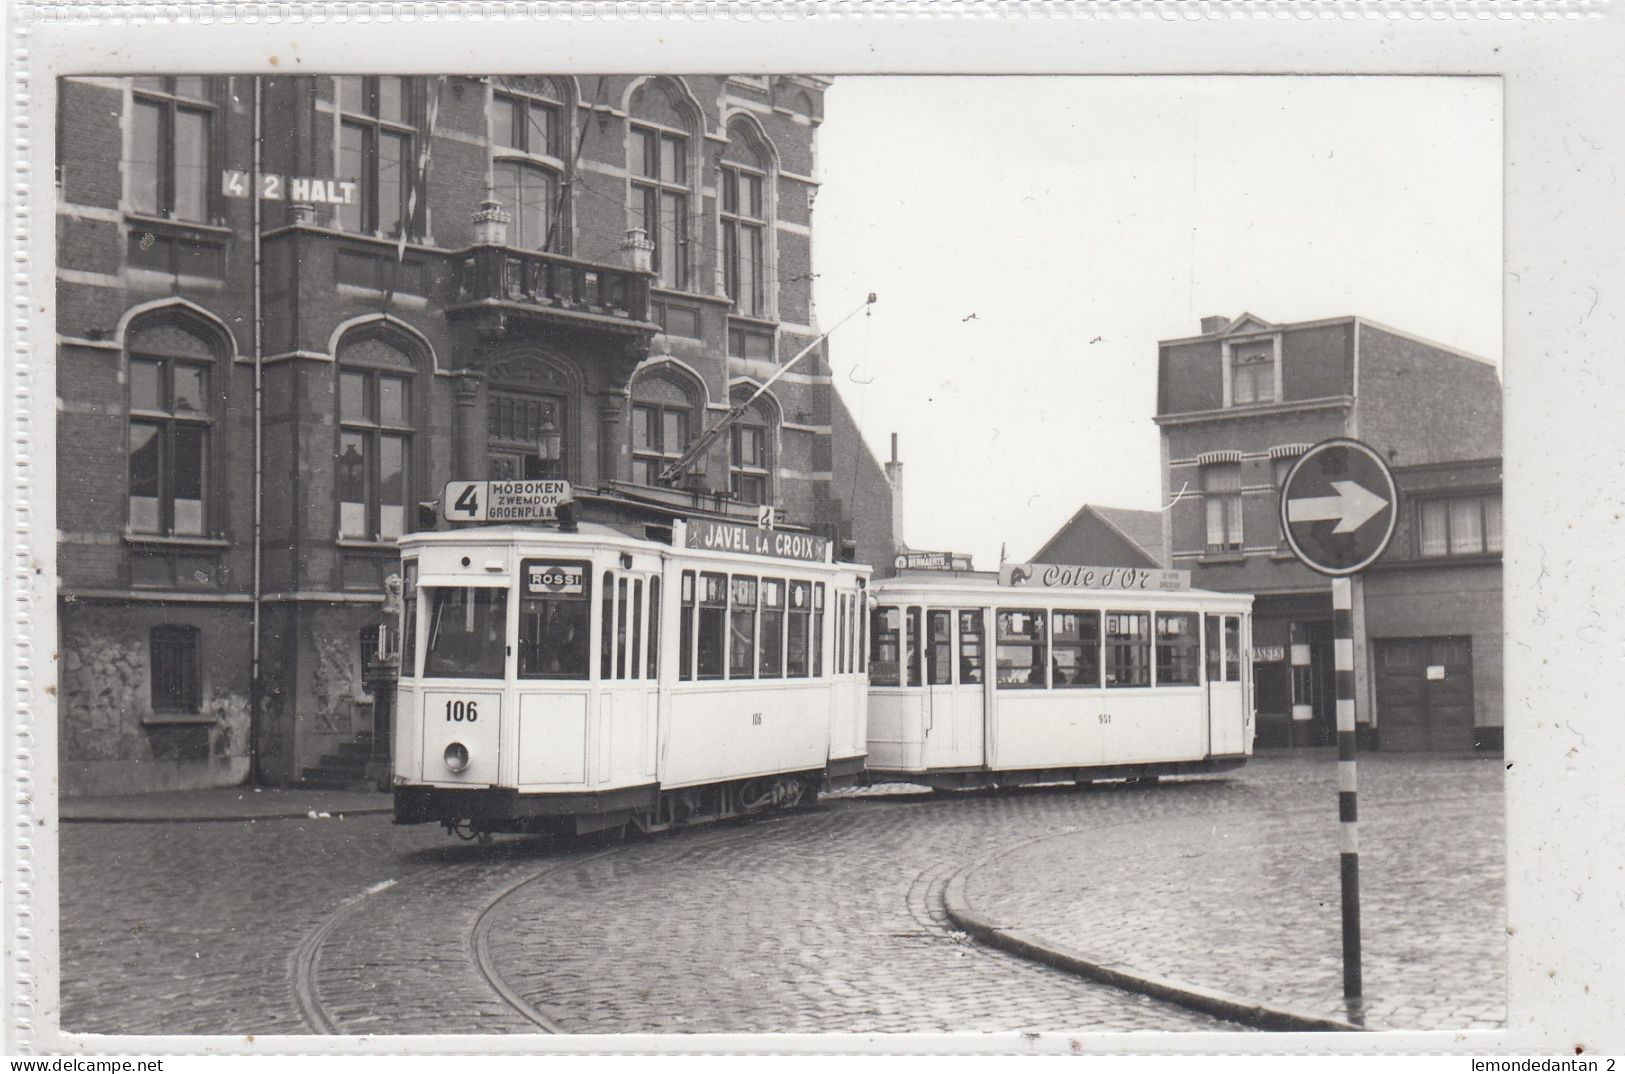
(305, 961)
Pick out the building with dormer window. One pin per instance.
(1236, 405)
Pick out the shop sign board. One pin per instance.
(1338, 507)
(1068, 576)
(716, 536)
(504, 501)
(931, 561)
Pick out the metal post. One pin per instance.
(1347, 791)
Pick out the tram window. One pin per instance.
(654, 628)
(1176, 649)
(915, 636)
(409, 619)
(796, 640)
(620, 628)
(939, 651)
(1076, 648)
(1214, 652)
(840, 633)
(971, 651)
(818, 630)
(742, 628)
(888, 626)
(1021, 651)
(1232, 648)
(606, 635)
(860, 600)
(637, 628)
(685, 630)
(713, 624)
(468, 628)
(770, 643)
(1128, 649)
(553, 637)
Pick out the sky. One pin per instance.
(1032, 238)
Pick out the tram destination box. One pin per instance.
(504, 501)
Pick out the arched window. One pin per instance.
(374, 461)
(173, 405)
(750, 454)
(745, 214)
(529, 141)
(666, 416)
(658, 162)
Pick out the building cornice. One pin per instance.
(1257, 410)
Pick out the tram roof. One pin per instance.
(597, 533)
(585, 532)
(983, 587)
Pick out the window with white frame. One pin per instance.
(1459, 525)
(1221, 494)
(1252, 372)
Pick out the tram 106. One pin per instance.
(579, 681)
(974, 683)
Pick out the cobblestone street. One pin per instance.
(830, 920)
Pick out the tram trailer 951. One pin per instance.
(977, 684)
(579, 681)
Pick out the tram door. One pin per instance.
(953, 688)
(1226, 695)
(628, 697)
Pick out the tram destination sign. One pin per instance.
(931, 561)
(1339, 506)
(504, 501)
(1069, 576)
(776, 544)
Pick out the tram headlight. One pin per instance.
(456, 756)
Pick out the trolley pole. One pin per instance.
(1348, 797)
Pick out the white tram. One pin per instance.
(973, 683)
(579, 681)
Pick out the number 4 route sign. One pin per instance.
(1339, 506)
(504, 501)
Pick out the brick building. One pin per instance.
(449, 271)
(1237, 405)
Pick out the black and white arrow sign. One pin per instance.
(1338, 507)
(1353, 506)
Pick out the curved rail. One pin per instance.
(305, 960)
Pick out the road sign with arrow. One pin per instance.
(1339, 506)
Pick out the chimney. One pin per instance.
(1211, 325)
(894, 476)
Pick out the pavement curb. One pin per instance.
(1032, 946)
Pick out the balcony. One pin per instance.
(502, 288)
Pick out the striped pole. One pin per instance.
(1347, 786)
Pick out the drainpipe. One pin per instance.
(255, 693)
